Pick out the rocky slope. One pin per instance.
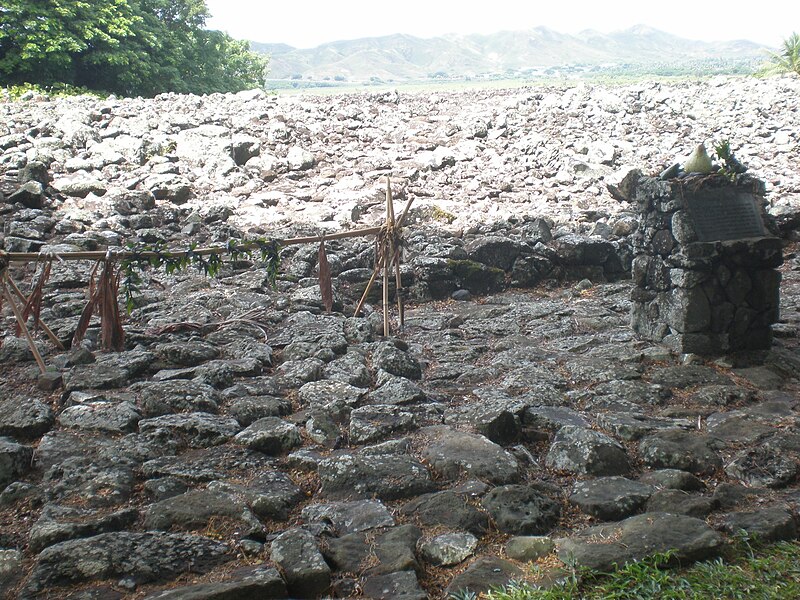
(246, 443)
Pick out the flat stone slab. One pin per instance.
(375, 553)
(610, 498)
(196, 430)
(25, 418)
(196, 509)
(485, 573)
(521, 510)
(604, 546)
(447, 509)
(770, 524)
(270, 435)
(684, 450)
(143, 557)
(244, 583)
(113, 417)
(587, 452)
(453, 454)
(349, 517)
(402, 585)
(634, 426)
(688, 376)
(270, 495)
(764, 466)
(208, 464)
(156, 398)
(319, 330)
(61, 523)
(679, 502)
(385, 476)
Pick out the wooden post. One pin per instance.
(387, 252)
(18, 316)
(53, 337)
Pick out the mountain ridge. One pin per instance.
(404, 57)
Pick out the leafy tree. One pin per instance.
(39, 40)
(123, 46)
(787, 59)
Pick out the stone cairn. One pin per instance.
(705, 265)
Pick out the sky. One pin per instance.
(309, 23)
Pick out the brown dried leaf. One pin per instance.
(325, 283)
(112, 334)
(103, 299)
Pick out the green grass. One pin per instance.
(747, 573)
(59, 90)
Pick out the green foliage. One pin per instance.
(129, 47)
(58, 90)
(787, 59)
(206, 261)
(767, 572)
(731, 166)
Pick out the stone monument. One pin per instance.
(705, 265)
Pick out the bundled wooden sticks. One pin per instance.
(112, 264)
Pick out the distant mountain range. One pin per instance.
(406, 58)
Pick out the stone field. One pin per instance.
(246, 444)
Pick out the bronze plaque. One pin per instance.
(724, 214)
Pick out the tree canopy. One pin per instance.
(129, 47)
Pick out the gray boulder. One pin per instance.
(610, 498)
(196, 430)
(24, 417)
(587, 452)
(196, 509)
(157, 398)
(448, 549)
(60, 523)
(385, 476)
(376, 422)
(521, 509)
(15, 460)
(453, 454)
(604, 546)
(349, 517)
(770, 524)
(483, 574)
(270, 435)
(247, 583)
(304, 569)
(684, 450)
(142, 557)
(393, 360)
(402, 585)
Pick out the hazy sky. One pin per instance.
(308, 23)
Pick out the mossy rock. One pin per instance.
(477, 277)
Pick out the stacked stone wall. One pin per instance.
(705, 297)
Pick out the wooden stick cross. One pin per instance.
(388, 242)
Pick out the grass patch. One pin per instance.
(58, 90)
(747, 572)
